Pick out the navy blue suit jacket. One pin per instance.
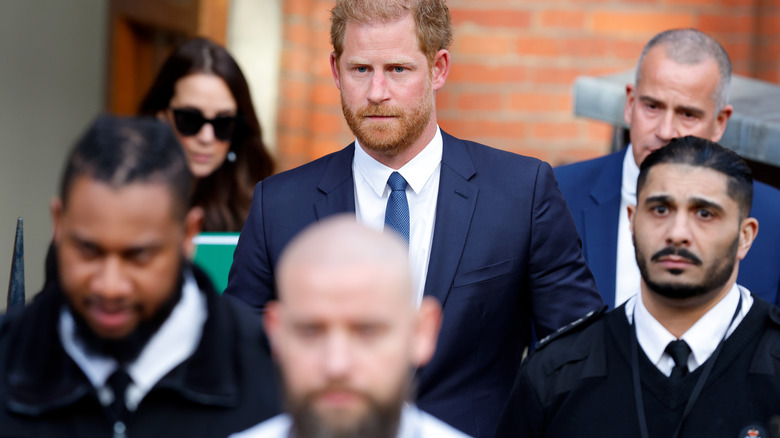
(505, 253)
(592, 192)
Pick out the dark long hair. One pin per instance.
(226, 194)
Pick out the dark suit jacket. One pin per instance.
(592, 192)
(504, 253)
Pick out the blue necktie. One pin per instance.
(397, 212)
(679, 350)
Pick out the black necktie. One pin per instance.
(679, 350)
(118, 383)
(397, 212)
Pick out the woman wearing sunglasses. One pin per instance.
(201, 91)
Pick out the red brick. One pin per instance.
(536, 102)
(296, 7)
(484, 44)
(538, 46)
(293, 118)
(491, 18)
(726, 23)
(444, 100)
(489, 74)
(326, 123)
(476, 128)
(320, 148)
(296, 61)
(294, 90)
(769, 24)
(554, 75)
(298, 34)
(563, 19)
(632, 23)
(479, 101)
(326, 95)
(555, 130)
(599, 131)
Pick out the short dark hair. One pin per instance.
(699, 152)
(122, 151)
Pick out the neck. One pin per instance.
(679, 315)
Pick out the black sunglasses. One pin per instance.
(190, 121)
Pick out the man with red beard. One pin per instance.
(128, 339)
(489, 233)
(348, 334)
(694, 353)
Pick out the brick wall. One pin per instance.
(513, 65)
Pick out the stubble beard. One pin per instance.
(715, 277)
(389, 138)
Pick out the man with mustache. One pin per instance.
(489, 233)
(348, 335)
(128, 339)
(682, 88)
(694, 354)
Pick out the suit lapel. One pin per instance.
(454, 211)
(337, 185)
(601, 224)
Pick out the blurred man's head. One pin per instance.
(682, 88)
(122, 227)
(690, 225)
(347, 331)
(389, 57)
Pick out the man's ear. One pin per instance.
(55, 207)
(631, 210)
(628, 110)
(721, 120)
(426, 331)
(334, 69)
(748, 230)
(271, 324)
(193, 224)
(440, 69)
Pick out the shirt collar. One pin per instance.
(416, 172)
(175, 341)
(703, 337)
(630, 174)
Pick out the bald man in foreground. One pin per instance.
(348, 332)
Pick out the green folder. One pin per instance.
(214, 254)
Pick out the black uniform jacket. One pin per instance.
(227, 385)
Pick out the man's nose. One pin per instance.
(668, 128)
(378, 90)
(110, 281)
(338, 356)
(679, 233)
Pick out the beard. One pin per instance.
(387, 138)
(715, 275)
(127, 349)
(381, 420)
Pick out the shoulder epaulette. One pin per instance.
(573, 326)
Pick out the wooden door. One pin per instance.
(143, 33)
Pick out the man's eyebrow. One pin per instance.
(660, 199)
(690, 109)
(702, 202)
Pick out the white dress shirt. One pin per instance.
(703, 337)
(414, 424)
(175, 341)
(627, 277)
(422, 174)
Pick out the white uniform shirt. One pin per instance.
(627, 277)
(175, 341)
(703, 337)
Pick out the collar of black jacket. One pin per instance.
(41, 377)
